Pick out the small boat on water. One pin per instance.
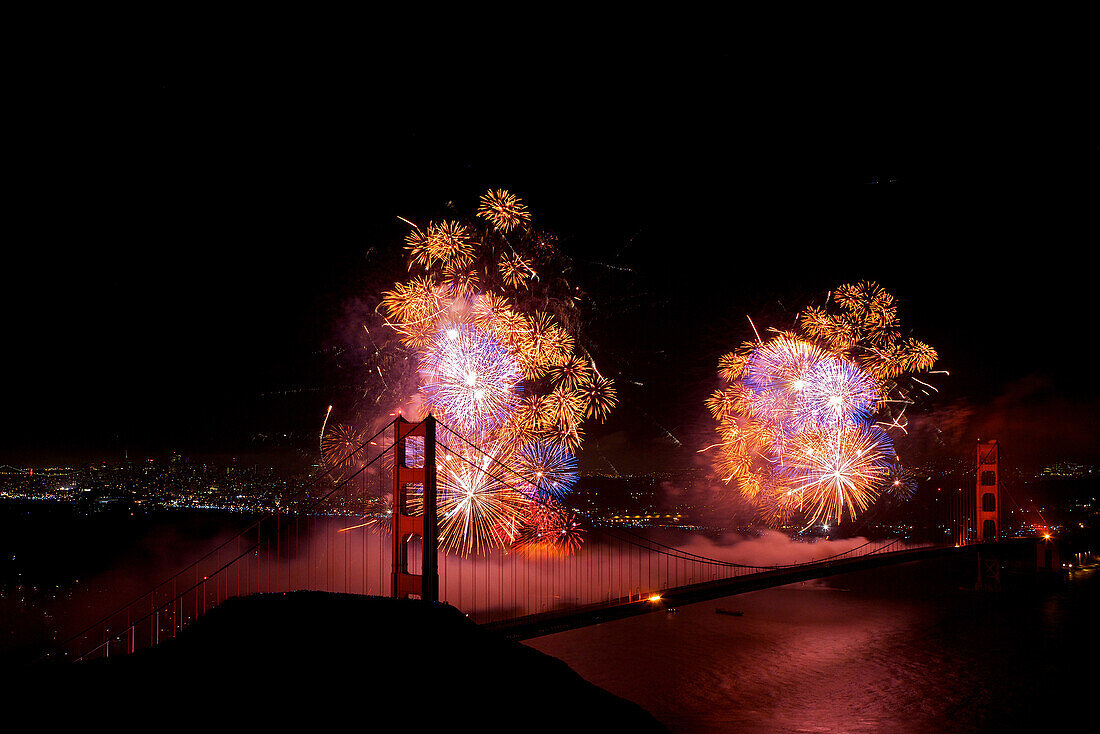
(730, 612)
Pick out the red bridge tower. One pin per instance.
(405, 526)
(987, 518)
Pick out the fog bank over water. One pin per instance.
(771, 548)
(65, 570)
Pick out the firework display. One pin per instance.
(803, 417)
(493, 331)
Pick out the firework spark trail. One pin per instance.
(324, 423)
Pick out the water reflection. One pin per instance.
(891, 650)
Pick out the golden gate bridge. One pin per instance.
(310, 545)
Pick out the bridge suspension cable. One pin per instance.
(641, 541)
(302, 491)
(621, 567)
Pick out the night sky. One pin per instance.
(184, 241)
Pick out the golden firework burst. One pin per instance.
(504, 209)
(514, 271)
(598, 396)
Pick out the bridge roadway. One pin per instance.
(544, 623)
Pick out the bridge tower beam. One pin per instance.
(404, 525)
(987, 514)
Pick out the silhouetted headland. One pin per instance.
(313, 658)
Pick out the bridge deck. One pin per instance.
(544, 623)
